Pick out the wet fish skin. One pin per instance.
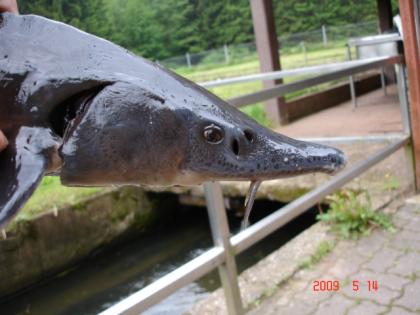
(89, 111)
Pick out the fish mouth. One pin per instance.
(306, 158)
(66, 114)
(331, 164)
(291, 157)
(339, 165)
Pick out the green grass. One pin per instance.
(390, 183)
(50, 194)
(351, 215)
(290, 60)
(321, 251)
(225, 71)
(257, 111)
(232, 90)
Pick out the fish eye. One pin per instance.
(213, 134)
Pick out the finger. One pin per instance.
(9, 6)
(3, 141)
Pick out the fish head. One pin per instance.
(226, 144)
(132, 135)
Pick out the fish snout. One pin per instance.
(324, 159)
(341, 161)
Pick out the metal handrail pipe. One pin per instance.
(318, 69)
(283, 89)
(374, 40)
(168, 284)
(269, 224)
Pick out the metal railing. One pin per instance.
(284, 89)
(330, 72)
(372, 46)
(274, 75)
(222, 255)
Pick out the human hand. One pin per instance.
(9, 6)
(3, 141)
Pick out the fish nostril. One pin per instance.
(249, 135)
(235, 146)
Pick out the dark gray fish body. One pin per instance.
(78, 106)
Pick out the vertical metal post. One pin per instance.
(221, 237)
(405, 118)
(353, 92)
(383, 83)
(226, 52)
(349, 57)
(188, 57)
(305, 54)
(351, 81)
(403, 97)
(324, 35)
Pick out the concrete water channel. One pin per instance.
(113, 273)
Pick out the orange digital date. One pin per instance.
(325, 285)
(334, 285)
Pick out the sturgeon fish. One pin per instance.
(83, 108)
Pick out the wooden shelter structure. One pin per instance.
(267, 47)
(409, 11)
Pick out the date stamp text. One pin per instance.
(335, 285)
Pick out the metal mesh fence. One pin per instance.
(326, 37)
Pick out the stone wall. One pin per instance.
(56, 240)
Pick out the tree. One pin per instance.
(159, 29)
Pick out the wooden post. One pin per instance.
(412, 59)
(268, 52)
(384, 15)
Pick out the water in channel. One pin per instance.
(114, 273)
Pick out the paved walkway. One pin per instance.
(389, 263)
(376, 114)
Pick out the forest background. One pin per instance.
(159, 29)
